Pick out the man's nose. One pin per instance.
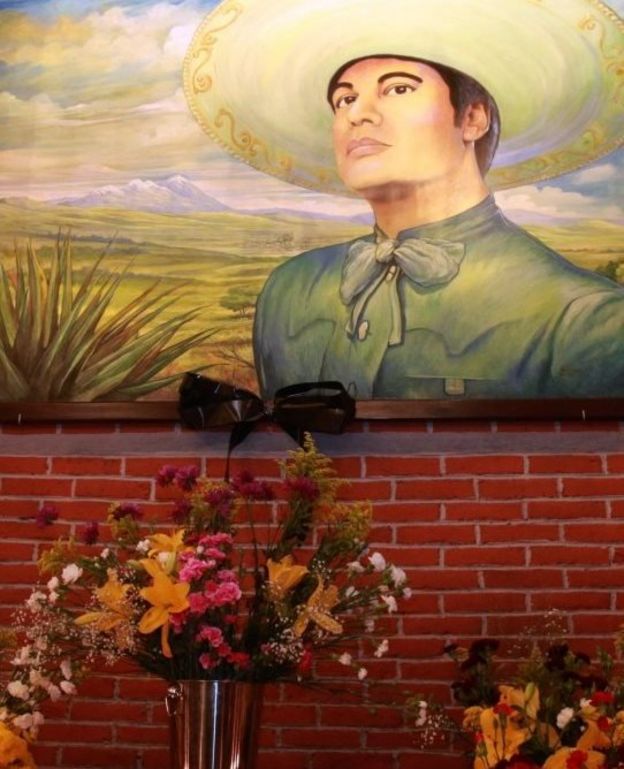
(364, 110)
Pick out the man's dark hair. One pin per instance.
(463, 91)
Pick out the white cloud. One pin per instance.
(535, 204)
(594, 175)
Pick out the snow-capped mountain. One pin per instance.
(175, 195)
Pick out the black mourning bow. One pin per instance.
(310, 406)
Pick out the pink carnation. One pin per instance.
(226, 592)
(206, 661)
(216, 540)
(212, 552)
(212, 635)
(226, 575)
(178, 621)
(193, 569)
(240, 659)
(198, 603)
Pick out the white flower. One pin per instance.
(53, 596)
(53, 583)
(390, 602)
(36, 679)
(362, 673)
(104, 554)
(71, 573)
(54, 693)
(18, 690)
(564, 717)
(143, 546)
(369, 625)
(67, 687)
(29, 720)
(382, 648)
(66, 669)
(350, 591)
(407, 592)
(422, 713)
(23, 656)
(398, 576)
(377, 561)
(345, 659)
(35, 600)
(355, 567)
(584, 703)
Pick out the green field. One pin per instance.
(206, 258)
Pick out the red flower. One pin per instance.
(46, 515)
(503, 709)
(478, 738)
(604, 723)
(602, 698)
(90, 533)
(305, 663)
(576, 759)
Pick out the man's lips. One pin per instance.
(365, 146)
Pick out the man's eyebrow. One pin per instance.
(389, 75)
(341, 84)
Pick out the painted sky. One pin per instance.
(90, 95)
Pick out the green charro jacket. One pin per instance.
(518, 320)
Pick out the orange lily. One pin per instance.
(113, 597)
(14, 750)
(167, 597)
(169, 544)
(317, 610)
(284, 575)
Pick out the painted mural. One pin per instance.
(136, 232)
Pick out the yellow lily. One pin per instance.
(618, 732)
(14, 750)
(559, 760)
(284, 575)
(502, 736)
(527, 699)
(167, 597)
(113, 596)
(170, 545)
(317, 610)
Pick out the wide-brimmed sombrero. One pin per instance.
(257, 71)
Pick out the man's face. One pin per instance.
(393, 124)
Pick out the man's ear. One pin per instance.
(476, 122)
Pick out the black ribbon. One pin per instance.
(324, 407)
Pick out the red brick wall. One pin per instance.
(494, 523)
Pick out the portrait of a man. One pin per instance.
(446, 297)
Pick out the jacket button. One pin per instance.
(362, 331)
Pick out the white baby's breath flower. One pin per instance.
(398, 576)
(377, 561)
(23, 656)
(564, 717)
(407, 592)
(143, 546)
(345, 659)
(71, 573)
(355, 567)
(18, 690)
(382, 648)
(53, 583)
(67, 687)
(362, 673)
(390, 602)
(35, 600)
(53, 597)
(66, 670)
(369, 624)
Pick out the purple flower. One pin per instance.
(303, 487)
(46, 515)
(247, 486)
(124, 509)
(220, 499)
(166, 475)
(90, 533)
(186, 477)
(181, 510)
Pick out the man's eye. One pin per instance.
(399, 89)
(344, 101)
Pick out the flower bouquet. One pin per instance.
(554, 710)
(251, 582)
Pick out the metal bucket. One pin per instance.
(213, 724)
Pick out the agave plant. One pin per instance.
(59, 340)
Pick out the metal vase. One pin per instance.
(213, 724)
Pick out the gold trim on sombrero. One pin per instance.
(251, 120)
